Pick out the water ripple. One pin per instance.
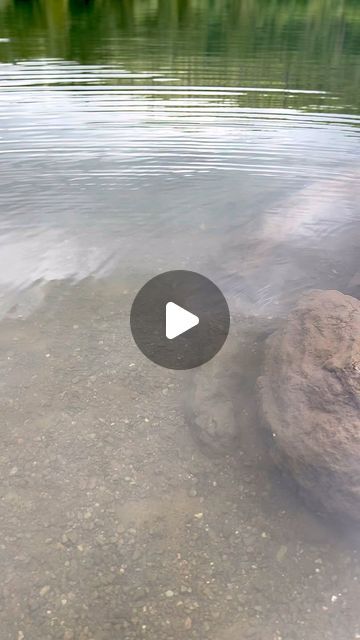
(97, 160)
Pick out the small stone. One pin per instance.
(188, 623)
(92, 482)
(250, 632)
(198, 515)
(140, 594)
(72, 536)
(13, 471)
(281, 553)
(169, 593)
(44, 590)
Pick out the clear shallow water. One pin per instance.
(136, 134)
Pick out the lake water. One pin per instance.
(145, 134)
(137, 137)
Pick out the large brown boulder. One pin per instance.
(310, 398)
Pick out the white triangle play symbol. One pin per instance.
(178, 320)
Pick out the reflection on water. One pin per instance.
(123, 124)
(138, 136)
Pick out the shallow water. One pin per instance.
(138, 137)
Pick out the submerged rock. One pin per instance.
(310, 398)
(221, 403)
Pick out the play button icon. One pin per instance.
(179, 319)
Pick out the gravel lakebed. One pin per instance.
(116, 524)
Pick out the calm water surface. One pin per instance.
(148, 136)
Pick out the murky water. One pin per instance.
(136, 137)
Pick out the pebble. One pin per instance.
(72, 536)
(139, 594)
(169, 593)
(250, 632)
(281, 553)
(92, 482)
(188, 623)
(44, 590)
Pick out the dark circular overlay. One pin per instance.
(192, 292)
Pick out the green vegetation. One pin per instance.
(299, 44)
